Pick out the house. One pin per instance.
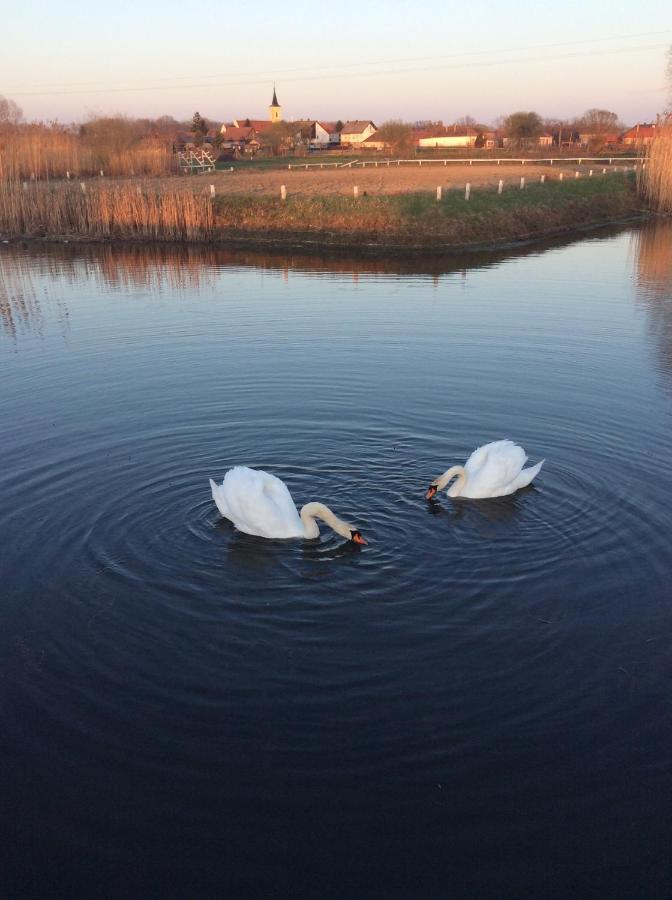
(443, 137)
(545, 139)
(640, 134)
(259, 125)
(241, 138)
(374, 143)
(598, 138)
(356, 132)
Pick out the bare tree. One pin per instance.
(599, 121)
(10, 112)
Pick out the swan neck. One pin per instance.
(457, 472)
(314, 510)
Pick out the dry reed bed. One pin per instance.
(104, 211)
(159, 211)
(655, 180)
(43, 153)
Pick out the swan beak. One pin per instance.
(433, 489)
(358, 539)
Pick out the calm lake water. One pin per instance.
(477, 704)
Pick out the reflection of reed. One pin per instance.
(185, 266)
(653, 272)
(18, 301)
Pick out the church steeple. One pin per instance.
(275, 109)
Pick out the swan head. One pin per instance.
(444, 480)
(314, 510)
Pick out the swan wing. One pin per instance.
(492, 468)
(258, 503)
(525, 477)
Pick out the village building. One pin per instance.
(259, 125)
(640, 134)
(317, 135)
(373, 142)
(275, 109)
(443, 137)
(356, 132)
(236, 141)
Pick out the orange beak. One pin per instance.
(358, 539)
(430, 493)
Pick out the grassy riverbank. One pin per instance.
(160, 211)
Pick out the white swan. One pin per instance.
(259, 503)
(493, 470)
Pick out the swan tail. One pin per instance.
(219, 499)
(527, 475)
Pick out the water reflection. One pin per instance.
(19, 308)
(653, 273)
(184, 269)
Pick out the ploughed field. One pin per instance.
(315, 182)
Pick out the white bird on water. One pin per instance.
(493, 470)
(258, 503)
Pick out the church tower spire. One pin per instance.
(275, 109)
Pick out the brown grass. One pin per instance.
(655, 180)
(175, 211)
(104, 211)
(39, 152)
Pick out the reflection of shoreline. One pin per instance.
(186, 265)
(653, 274)
(185, 268)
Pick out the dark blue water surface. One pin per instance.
(476, 704)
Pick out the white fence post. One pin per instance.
(576, 174)
(67, 175)
(522, 183)
(561, 176)
(590, 173)
(500, 186)
(283, 192)
(467, 191)
(543, 179)
(438, 192)
(83, 187)
(355, 192)
(212, 190)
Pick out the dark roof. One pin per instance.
(356, 126)
(275, 99)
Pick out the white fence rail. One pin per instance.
(387, 163)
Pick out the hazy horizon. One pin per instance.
(331, 64)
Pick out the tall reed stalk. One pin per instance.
(42, 152)
(121, 211)
(655, 179)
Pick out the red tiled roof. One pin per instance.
(259, 125)
(641, 131)
(245, 133)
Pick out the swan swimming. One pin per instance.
(493, 470)
(258, 503)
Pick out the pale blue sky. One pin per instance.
(380, 59)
